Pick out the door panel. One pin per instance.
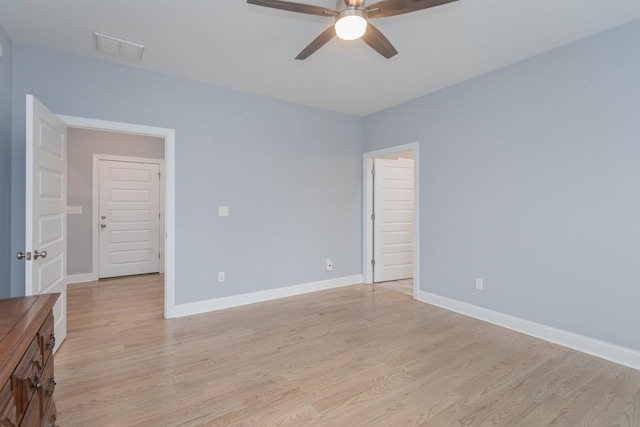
(393, 224)
(46, 206)
(129, 207)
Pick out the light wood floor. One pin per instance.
(353, 356)
(404, 286)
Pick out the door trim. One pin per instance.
(95, 199)
(367, 210)
(169, 136)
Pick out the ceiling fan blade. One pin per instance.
(317, 43)
(374, 38)
(385, 8)
(294, 7)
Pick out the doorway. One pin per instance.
(390, 230)
(167, 194)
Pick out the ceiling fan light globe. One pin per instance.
(351, 27)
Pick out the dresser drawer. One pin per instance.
(32, 415)
(46, 338)
(8, 413)
(50, 417)
(48, 387)
(26, 378)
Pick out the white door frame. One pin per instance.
(169, 137)
(367, 210)
(95, 199)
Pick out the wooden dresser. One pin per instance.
(27, 383)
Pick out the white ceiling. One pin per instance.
(232, 44)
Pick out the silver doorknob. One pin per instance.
(103, 225)
(37, 254)
(21, 255)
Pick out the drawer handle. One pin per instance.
(52, 342)
(36, 382)
(50, 391)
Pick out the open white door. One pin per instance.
(393, 223)
(46, 205)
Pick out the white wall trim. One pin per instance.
(169, 136)
(81, 278)
(261, 296)
(604, 350)
(95, 205)
(367, 210)
(107, 125)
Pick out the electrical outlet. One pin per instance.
(479, 284)
(328, 265)
(223, 210)
(221, 276)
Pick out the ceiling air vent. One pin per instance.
(119, 47)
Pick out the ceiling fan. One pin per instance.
(351, 20)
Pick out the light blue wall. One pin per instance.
(5, 162)
(290, 174)
(530, 179)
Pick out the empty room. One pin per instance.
(320, 213)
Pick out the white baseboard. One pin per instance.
(81, 278)
(604, 350)
(198, 307)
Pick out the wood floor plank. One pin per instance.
(404, 286)
(353, 356)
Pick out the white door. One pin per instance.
(393, 220)
(129, 210)
(46, 209)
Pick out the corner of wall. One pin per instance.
(6, 89)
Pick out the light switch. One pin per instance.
(74, 210)
(223, 210)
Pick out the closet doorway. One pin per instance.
(391, 220)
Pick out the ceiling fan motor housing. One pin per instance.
(343, 5)
(351, 12)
